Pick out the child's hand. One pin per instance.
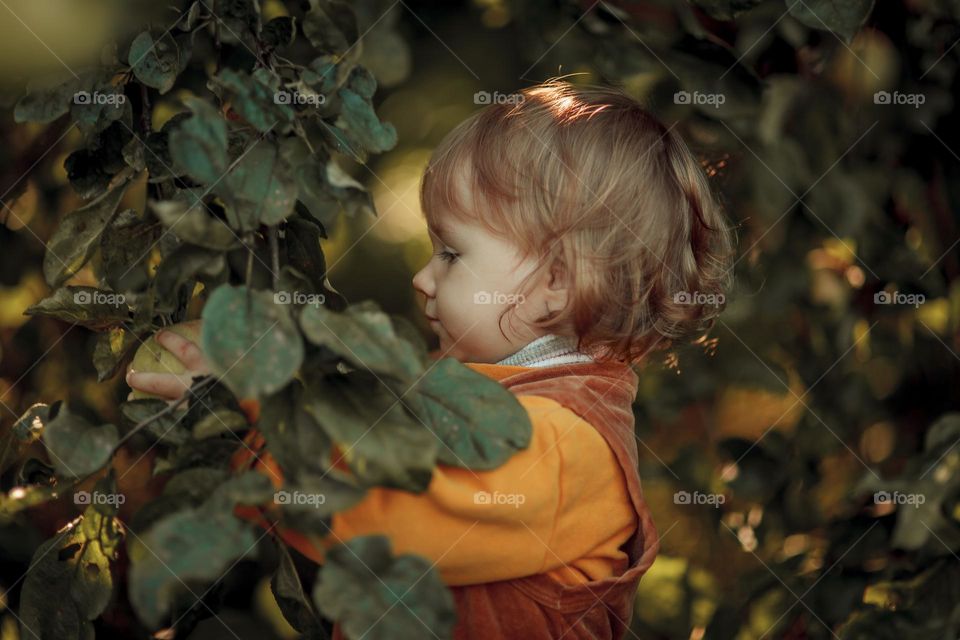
(171, 386)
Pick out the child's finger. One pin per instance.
(185, 350)
(166, 385)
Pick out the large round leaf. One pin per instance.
(250, 341)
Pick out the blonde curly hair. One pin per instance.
(588, 181)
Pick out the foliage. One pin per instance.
(243, 182)
(812, 397)
(830, 381)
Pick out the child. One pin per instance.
(573, 234)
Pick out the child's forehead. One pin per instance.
(446, 229)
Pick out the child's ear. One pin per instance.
(558, 278)
(558, 286)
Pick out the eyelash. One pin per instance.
(447, 256)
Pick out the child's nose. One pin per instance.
(422, 282)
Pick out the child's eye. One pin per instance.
(447, 256)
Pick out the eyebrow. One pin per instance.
(441, 232)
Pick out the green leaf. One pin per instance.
(217, 421)
(111, 348)
(922, 605)
(241, 21)
(198, 145)
(481, 429)
(77, 447)
(157, 64)
(125, 248)
(180, 266)
(72, 570)
(169, 429)
(191, 221)
(49, 98)
(294, 438)
(250, 341)
(844, 18)
(30, 425)
(375, 595)
(156, 155)
(325, 74)
(91, 170)
(190, 545)
(293, 601)
(279, 32)
(309, 173)
(304, 253)
(259, 188)
(15, 443)
(251, 488)
(78, 235)
(359, 118)
(380, 441)
(98, 104)
(87, 306)
(330, 26)
(254, 97)
(363, 336)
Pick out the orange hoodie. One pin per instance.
(559, 517)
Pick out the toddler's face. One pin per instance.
(470, 280)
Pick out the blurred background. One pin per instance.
(801, 461)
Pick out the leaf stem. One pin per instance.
(274, 255)
(206, 382)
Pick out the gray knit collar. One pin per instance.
(547, 351)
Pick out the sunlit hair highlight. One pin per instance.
(592, 184)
